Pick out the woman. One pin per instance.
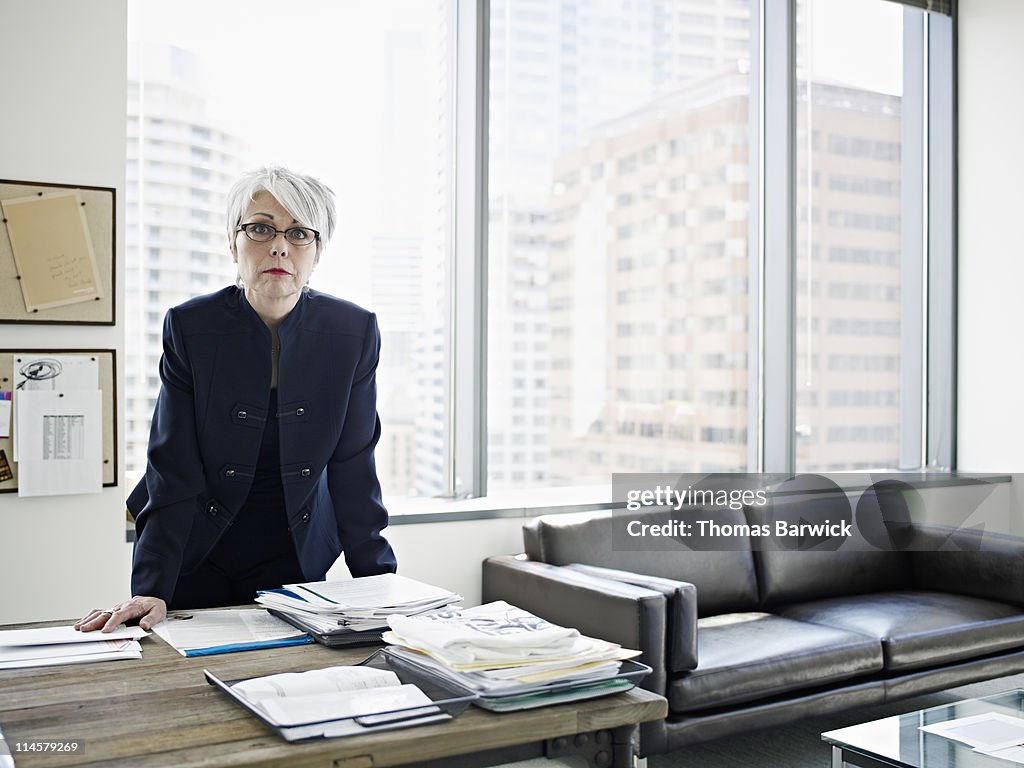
(261, 468)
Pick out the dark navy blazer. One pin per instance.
(209, 418)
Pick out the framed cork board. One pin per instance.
(13, 373)
(57, 258)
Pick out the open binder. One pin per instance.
(444, 700)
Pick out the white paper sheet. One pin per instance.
(301, 710)
(68, 634)
(986, 732)
(15, 657)
(992, 733)
(5, 417)
(382, 593)
(60, 435)
(50, 373)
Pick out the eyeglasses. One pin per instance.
(259, 232)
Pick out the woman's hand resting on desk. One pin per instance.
(149, 611)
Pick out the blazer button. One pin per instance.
(300, 411)
(242, 414)
(305, 517)
(211, 511)
(230, 473)
(306, 472)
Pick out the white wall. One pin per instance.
(63, 97)
(990, 420)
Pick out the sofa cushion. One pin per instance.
(919, 628)
(787, 576)
(749, 656)
(791, 575)
(725, 580)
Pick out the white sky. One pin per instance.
(858, 44)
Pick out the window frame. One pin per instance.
(928, 346)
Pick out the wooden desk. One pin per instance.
(160, 711)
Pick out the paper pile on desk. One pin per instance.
(508, 655)
(360, 606)
(50, 646)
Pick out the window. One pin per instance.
(850, 91)
(637, 313)
(855, 316)
(625, 324)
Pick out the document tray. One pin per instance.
(532, 695)
(448, 700)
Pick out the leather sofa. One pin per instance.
(758, 636)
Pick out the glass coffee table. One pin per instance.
(898, 741)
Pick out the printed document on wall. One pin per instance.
(51, 373)
(60, 442)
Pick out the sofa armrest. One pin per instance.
(681, 621)
(970, 562)
(631, 616)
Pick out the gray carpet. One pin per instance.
(798, 745)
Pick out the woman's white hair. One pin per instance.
(308, 200)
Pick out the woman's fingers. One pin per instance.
(149, 611)
(94, 619)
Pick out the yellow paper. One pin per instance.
(52, 249)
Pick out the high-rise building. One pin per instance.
(395, 277)
(179, 165)
(649, 286)
(558, 72)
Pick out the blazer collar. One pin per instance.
(292, 322)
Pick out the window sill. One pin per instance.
(529, 503)
(512, 503)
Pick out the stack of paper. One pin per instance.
(212, 632)
(513, 658)
(344, 701)
(65, 645)
(353, 610)
(993, 733)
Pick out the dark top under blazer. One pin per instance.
(205, 438)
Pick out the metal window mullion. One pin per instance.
(942, 233)
(755, 239)
(467, 426)
(913, 241)
(777, 313)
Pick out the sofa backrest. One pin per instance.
(792, 575)
(969, 561)
(725, 581)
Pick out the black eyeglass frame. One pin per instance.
(245, 228)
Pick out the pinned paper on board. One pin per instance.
(53, 250)
(63, 401)
(50, 373)
(60, 442)
(58, 439)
